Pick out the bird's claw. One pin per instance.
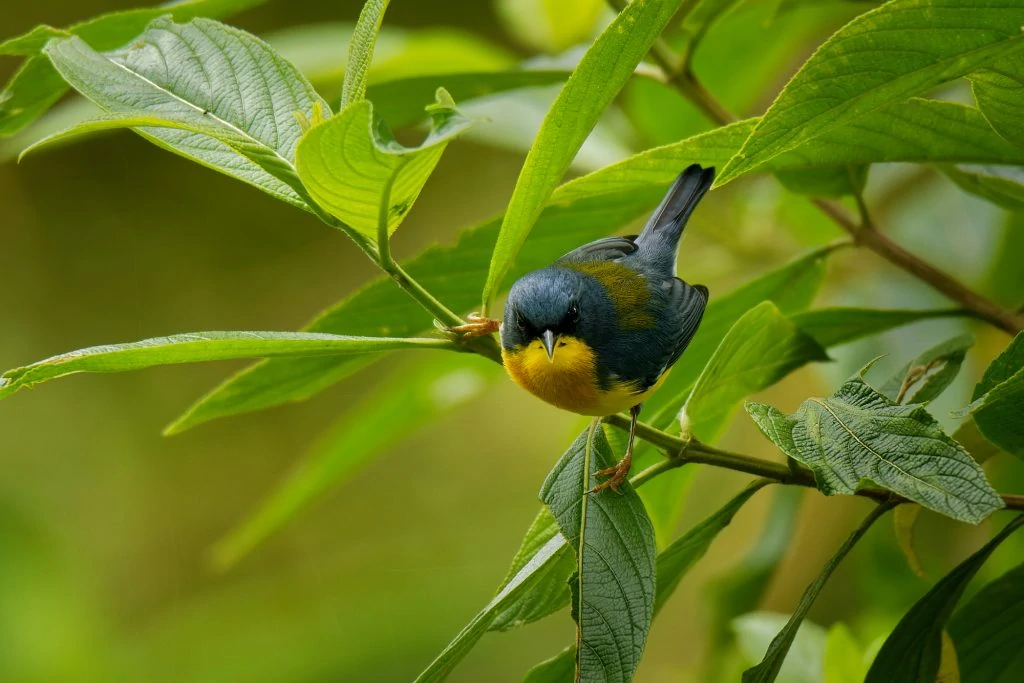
(476, 326)
(616, 476)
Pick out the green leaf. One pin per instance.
(904, 521)
(550, 25)
(212, 76)
(347, 162)
(360, 51)
(835, 326)
(1001, 185)
(551, 592)
(761, 348)
(970, 437)
(844, 658)
(559, 669)
(768, 669)
(838, 181)
(999, 92)
(928, 375)
(903, 48)
(613, 590)
(912, 651)
(389, 412)
(203, 346)
(860, 435)
(987, 633)
(677, 559)
(475, 629)
(998, 400)
(37, 85)
(754, 633)
(601, 73)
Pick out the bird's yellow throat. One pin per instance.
(568, 379)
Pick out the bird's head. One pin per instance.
(544, 306)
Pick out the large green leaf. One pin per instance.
(389, 412)
(903, 48)
(212, 75)
(999, 91)
(859, 435)
(613, 588)
(840, 325)
(998, 400)
(1002, 185)
(928, 375)
(203, 346)
(989, 639)
(475, 629)
(348, 163)
(36, 85)
(768, 669)
(601, 73)
(912, 651)
(761, 348)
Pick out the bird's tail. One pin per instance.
(660, 237)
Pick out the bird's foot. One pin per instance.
(476, 326)
(617, 476)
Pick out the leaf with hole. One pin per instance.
(859, 435)
(913, 650)
(901, 49)
(613, 588)
(220, 79)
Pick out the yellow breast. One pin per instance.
(569, 379)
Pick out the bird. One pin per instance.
(597, 331)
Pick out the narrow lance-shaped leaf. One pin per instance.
(986, 631)
(760, 349)
(912, 651)
(601, 73)
(217, 77)
(203, 346)
(347, 161)
(613, 588)
(360, 51)
(768, 669)
(859, 435)
(389, 412)
(36, 86)
(998, 400)
(841, 325)
(903, 48)
(928, 375)
(1001, 185)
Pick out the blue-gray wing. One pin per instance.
(686, 304)
(606, 249)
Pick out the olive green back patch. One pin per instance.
(627, 289)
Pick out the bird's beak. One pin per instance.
(549, 343)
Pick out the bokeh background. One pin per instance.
(106, 526)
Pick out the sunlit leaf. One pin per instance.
(761, 348)
(613, 588)
(999, 91)
(928, 375)
(203, 346)
(803, 664)
(998, 400)
(550, 25)
(768, 669)
(913, 650)
(987, 633)
(36, 85)
(360, 51)
(860, 435)
(389, 412)
(845, 661)
(903, 48)
(347, 162)
(209, 74)
(601, 73)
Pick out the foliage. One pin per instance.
(229, 101)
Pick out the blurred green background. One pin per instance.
(106, 527)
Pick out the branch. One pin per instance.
(681, 451)
(679, 74)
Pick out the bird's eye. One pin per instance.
(521, 321)
(574, 312)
